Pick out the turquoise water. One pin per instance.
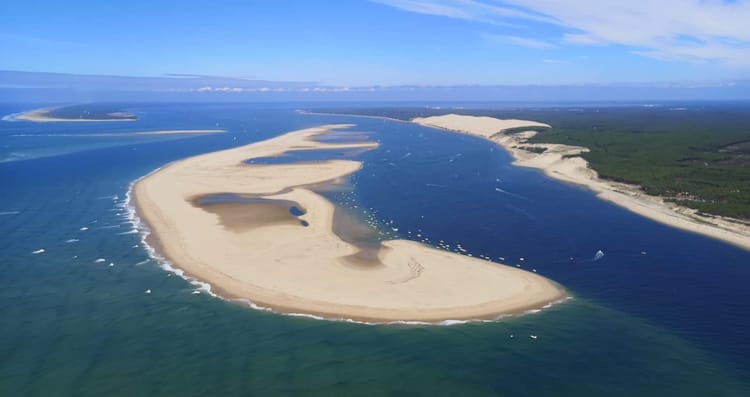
(670, 322)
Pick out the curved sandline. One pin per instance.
(206, 287)
(168, 265)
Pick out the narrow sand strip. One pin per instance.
(43, 116)
(277, 262)
(556, 163)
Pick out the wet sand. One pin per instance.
(330, 267)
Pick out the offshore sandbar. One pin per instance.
(277, 262)
(44, 115)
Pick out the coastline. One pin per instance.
(563, 163)
(42, 116)
(288, 268)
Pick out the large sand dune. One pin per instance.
(561, 162)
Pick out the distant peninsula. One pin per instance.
(564, 162)
(73, 114)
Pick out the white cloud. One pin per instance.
(693, 30)
(581, 38)
(430, 8)
(281, 89)
(240, 89)
(519, 41)
(223, 89)
(471, 10)
(555, 61)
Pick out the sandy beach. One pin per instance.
(42, 116)
(261, 232)
(556, 162)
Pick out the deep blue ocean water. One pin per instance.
(671, 322)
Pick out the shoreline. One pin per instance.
(42, 116)
(562, 162)
(447, 286)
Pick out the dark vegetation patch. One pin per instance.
(518, 130)
(533, 149)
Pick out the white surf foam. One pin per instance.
(131, 231)
(144, 231)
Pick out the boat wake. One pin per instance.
(599, 255)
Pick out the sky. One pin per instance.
(354, 43)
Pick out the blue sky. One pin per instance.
(385, 42)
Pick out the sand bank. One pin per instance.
(556, 162)
(43, 116)
(274, 260)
